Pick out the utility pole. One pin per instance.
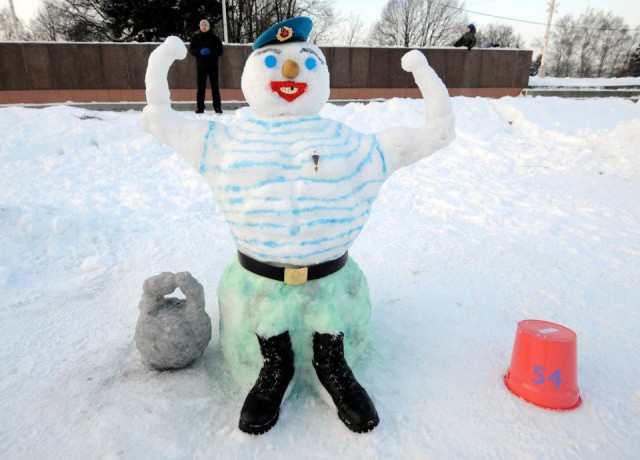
(224, 20)
(552, 6)
(14, 19)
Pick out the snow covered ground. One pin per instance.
(532, 212)
(583, 82)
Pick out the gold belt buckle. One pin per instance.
(296, 276)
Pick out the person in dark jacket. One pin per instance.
(468, 39)
(206, 47)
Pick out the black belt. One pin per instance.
(292, 276)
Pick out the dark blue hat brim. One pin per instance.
(301, 29)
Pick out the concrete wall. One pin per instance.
(110, 72)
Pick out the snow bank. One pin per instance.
(583, 82)
(532, 212)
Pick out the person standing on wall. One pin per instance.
(468, 39)
(206, 47)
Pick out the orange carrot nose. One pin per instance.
(290, 69)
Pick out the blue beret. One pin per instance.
(289, 30)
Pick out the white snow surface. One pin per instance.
(532, 212)
(583, 82)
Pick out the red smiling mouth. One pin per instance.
(288, 90)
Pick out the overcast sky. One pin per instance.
(529, 10)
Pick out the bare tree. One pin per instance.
(125, 20)
(50, 22)
(442, 22)
(586, 45)
(499, 34)
(353, 30)
(247, 19)
(82, 20)
(612, 48)
(284, 9)
(6, 27)
(419, 23)
(326, 22)
(561, 60)
(398, 24)
(633, 66)
(596, 44)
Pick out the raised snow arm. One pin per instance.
(404, 146)
(158, 118)
(157, 87)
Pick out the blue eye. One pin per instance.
(270, 61)
(310, 63)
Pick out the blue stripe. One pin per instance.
(330, 147)
(295, 212)
(250, 164)
(207, 137)
(319, 125)
(296, 229)
(379, 149)
(334, 221)
(342, 235)
(337, 180)
(275, 244)
(233, 223)
(278, 124)
(320, 144)
(314, 128)
(305, 198)
(238, 188)
(344, 197)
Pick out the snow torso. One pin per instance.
(282, 210)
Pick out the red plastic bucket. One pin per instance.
(544, 365)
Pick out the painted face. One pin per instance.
(289, 79)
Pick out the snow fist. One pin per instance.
(172, 333)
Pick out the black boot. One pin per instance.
(355, 408)
(262, 406)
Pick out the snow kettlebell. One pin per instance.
(172, 333)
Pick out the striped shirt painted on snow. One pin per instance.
(279, 208)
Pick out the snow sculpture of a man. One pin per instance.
(296, 189)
